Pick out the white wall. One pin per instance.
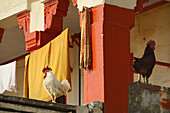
(154, 24)
(73, 96)
(9, 7)
(12, 44)
(72, 22)
(128, 4)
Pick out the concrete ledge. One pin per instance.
(30, 105)
(143, 99)
(147, 98)
(149, 86)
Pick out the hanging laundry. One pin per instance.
(8, 77)
(55, 54)
(85, 47)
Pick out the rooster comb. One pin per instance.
(151, 42)
(46, 68)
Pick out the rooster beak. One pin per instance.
(152, 46)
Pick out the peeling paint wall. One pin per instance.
(146, 98)
(153, 24)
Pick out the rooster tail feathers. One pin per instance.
(66, 85)
(65, 82)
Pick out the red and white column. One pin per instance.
(109, 76)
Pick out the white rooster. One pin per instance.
(54, 88)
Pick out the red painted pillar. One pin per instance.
(94, 77)
(54, 11)
(109, 77)
(117, 24)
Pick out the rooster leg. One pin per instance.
(139, 78)
(144, 79)
(147, 80)
(53, 99)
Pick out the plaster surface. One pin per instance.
(153, 24)
(129, 4)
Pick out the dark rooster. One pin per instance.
(145, 65)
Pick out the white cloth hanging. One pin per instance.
(8, 77)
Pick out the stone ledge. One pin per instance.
(95, 107)
(149, 86)
(147, 98)
(152, 87)
(18, 103)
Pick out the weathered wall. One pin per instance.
(153, 24)
(146, 98)
(12, 44)
(143, 100)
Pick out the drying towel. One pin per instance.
(8, 77)
(85, 51)
(37, 16)
(55, 55)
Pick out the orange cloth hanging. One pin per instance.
(55, 55)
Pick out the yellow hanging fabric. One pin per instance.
(55, 55)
